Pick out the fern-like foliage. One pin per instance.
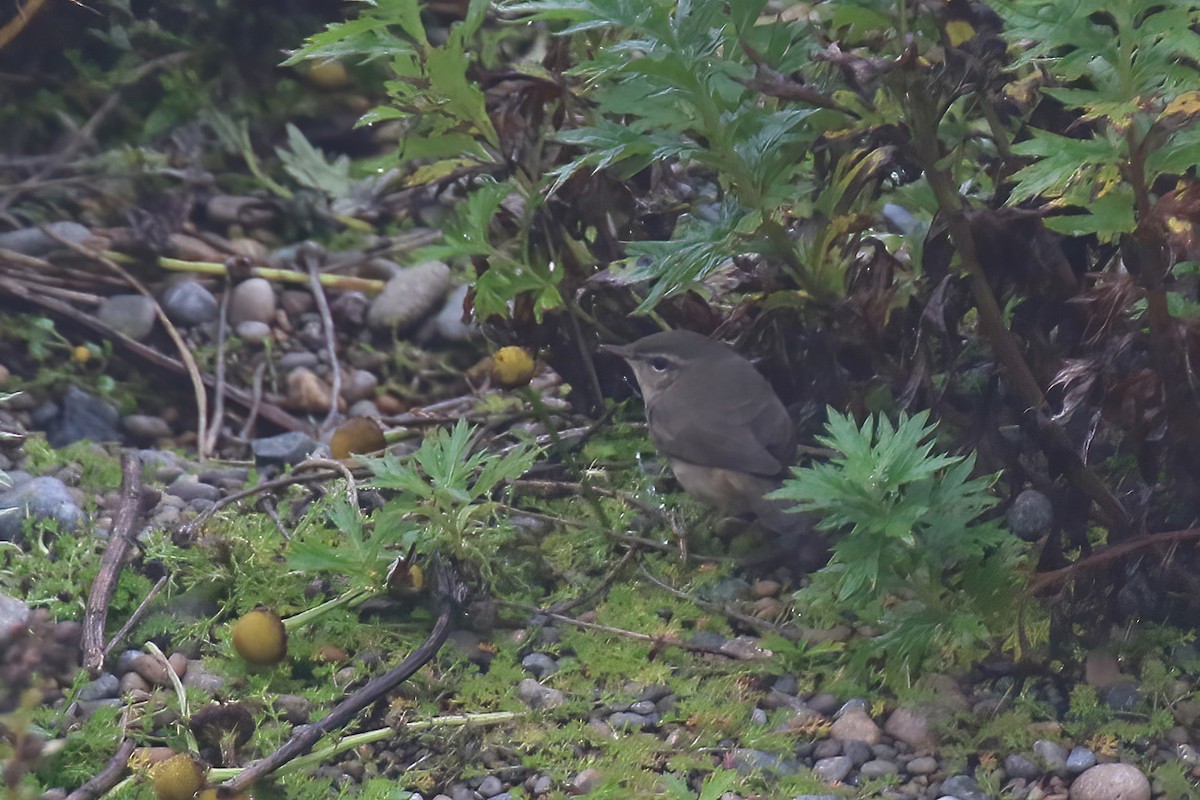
(914, 558)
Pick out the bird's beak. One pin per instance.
(619, 350)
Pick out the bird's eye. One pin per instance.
(659, 364)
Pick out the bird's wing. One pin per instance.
(738, 430)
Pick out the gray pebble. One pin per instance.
(827, 748)
(642, 707)
(1080, 759)
(923, 765)
(539, 665)
(823, 703)
(285, 448)
(626, 720)
(189, 303)
(146, 427)
(296, 359)
(536, 696)
(128, 314)
(364, 408)
(877, 768)
(83, 415)
(1052, 755)
(40, 499)
(35, 242)
(1018, 766)
(963, 787)
(747, 761)
(106, 685)
(833, 770)
(857, 751)
(490, 786)
(14, 615)
(253, 300)
(1030, 515)
(187, 488)
(543, 784)
(359, 384)
(252, 332)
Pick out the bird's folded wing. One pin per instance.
(736, 435)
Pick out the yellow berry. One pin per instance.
(512, 367)
(260, 638)
(177, 778)
(81, 354)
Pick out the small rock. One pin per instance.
(922, 765)
(1030, 515)
(490, 786)
(1080, 759)
(823, 703)
(963, 787)
(293, 708)
(146, 427)
(765, 588)
(747, 761)
(298, 358)
(36, 242)
(833, 770)
(857, 751)
(586, 781)
(189, 303)
(252, 332)
(307, 392)
(350, 308)
(827, 748)
(855, 724)
(128, 314)
(1124, 696)
(410, 295)
(537, 696)
(285, 448)
(877, 768)
(295, 302)
(1052, 755)
(39, 499)
(105, 686)
(542, 785)
(628, 721)
(358, 384)
(187, 488)
(1111, 782)
(1018, 766)
(540, 664)
(910, 726)
(253, 300)
(83, 416)
(14, 614)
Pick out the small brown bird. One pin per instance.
(726, 433)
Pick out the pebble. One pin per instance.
(104, 686)
(82, 415)
(252, 332)
(128, 314)
(358, 384)
(36, 242)
(537, 696)
(252, 300)
(188, 488)
(285, 448)
(855, 724)
(877, 768)
(857, 751)
(43, 498)
(146, 427)
(408, 296)
(833, 770)
(307, 392)
(350, 308)
(823, 703)
(1052, 755)
(1111, 782)
(1030, 515)
(748, 761)
(542, 785)
(490, 786)
(160, 465)
(1018, 766)
(586, 781)
(963, 787)
(14, 614)
(540, 665)
(298, 358)
(910, 726)
(922, 765)
(189, 303)
(627, 720)
(1080, 759)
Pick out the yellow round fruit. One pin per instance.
(81, 354)
(177, 778)
(512, 367)
(260, 638)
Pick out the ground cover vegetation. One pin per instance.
(960, 239)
